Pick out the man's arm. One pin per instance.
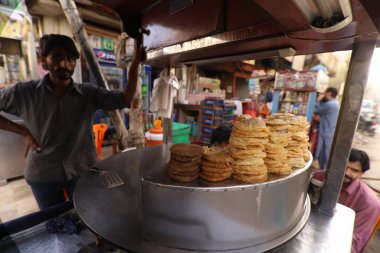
(323, 108)
(130, 89)
(10, 126)
(364, 221)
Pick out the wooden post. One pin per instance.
(77, 26)
(136, 128)
(348, 117)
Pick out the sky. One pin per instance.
(373, 84)
(374, 73)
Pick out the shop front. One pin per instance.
(16, 54)
(147, 209)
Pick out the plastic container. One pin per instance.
(155, 135)
(181, 133)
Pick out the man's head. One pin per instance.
(220, 136)
(358, 163)
(59, 55)
(330, 93)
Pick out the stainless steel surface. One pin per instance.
(348, 117)
(323, 233)
(221, 216)
(115, 214)
(12, 148)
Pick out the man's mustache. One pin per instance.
(348, 178)
(64, 70)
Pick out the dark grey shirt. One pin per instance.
(61, 125)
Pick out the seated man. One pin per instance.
(220, 136)
(359, 197)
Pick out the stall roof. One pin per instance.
(240, 27)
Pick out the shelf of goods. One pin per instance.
(298, 90)
(212, 114)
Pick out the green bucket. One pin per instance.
(181, 133)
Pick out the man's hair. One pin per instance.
(50, 41)
(333, 91)
(220, 135)
(361, 157)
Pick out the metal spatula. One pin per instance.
(110, 178)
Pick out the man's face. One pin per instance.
(327, 96)
(60, 63)
(353, 171)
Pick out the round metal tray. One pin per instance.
(225, 215)
(116, 214)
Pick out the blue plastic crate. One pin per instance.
(212, 111)
(213, 101)
(212, 120)
(229, 117)
(208, 129)
(206, 139)
(228, 108)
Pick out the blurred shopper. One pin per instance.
(327, 109)
(359, 197)
(58, 116)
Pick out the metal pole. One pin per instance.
(77, 26)
(348, 117)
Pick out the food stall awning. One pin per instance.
(242, 27)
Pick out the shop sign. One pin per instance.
(303, 80)
(107, 44)
(253, 86)
(13, 25)
(13, 4)
(102, 43)
(103, 55)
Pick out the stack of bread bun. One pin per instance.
(247, 147)
(298, 148)
(185, 161)
(277, 160)
(216, 165)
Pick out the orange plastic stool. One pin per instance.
(99, 132)
(374, 230)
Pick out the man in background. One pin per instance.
(327, 109)
(359, 197)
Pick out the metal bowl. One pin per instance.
(226, 215)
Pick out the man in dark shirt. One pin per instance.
(58, 116)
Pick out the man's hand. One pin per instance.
(129, 90)
(321, 97)
(30, 143)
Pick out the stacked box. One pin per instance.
(214, 113)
